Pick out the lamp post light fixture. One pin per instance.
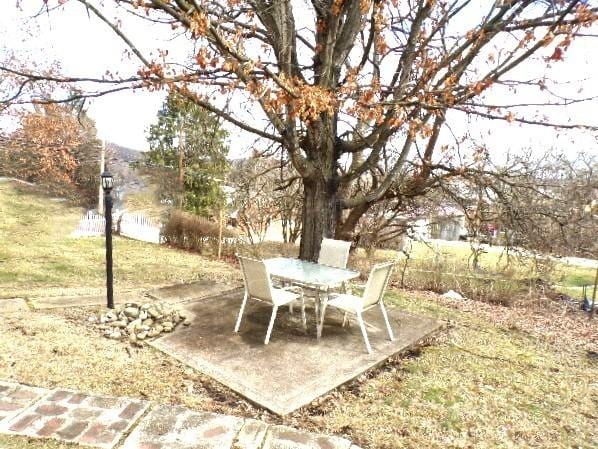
(107, 184)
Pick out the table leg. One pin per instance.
(323, 304)
(318, 307)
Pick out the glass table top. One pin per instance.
(308, 272)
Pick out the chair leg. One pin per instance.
(364, 332)
(390, 335)
(317, 304)
(271, 325)
(303, 316)
(345, 319)
(320, 321)
(238, 323)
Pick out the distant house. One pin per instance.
(446, 223)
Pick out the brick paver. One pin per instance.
(14, 398)
(282, 437)
(76, 417)
(167, 427)
(251, 435)
(101, 421)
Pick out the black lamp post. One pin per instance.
(107, 184)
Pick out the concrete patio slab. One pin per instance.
(14, 398)
(167, 427)
(193, 290)
(77, 417)
(10, 305)
(294, 368)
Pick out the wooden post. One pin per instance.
(220, 228)
(102, 167)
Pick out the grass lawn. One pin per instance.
(38, 257)
(455, 258)
(498, 377)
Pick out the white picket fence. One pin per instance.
(90, 224)
(132, 225)
(139, 227)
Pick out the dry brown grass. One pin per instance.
(14, 442)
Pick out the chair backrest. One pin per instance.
(256, 278)
(334, 253)
(374, 289)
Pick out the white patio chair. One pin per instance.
(372, 295)
(258, 285)
(334, 253)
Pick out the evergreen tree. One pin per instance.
(189, 143)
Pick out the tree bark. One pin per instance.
(320, 213)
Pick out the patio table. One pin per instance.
(310, 274)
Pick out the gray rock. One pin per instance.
(153, 333)
(153, 312)
(187, 322)
(120, 324)
(141, 335)
(132, 312)
(451, 294)
(135, 323)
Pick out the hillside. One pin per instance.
(38, 256)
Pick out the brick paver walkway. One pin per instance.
(65, 415)
(15, 398)
(110, 422)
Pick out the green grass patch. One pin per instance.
(579, 278)
(39, 257)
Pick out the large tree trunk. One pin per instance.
(320, 187)
(320, 213)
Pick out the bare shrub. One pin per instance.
(192, 232)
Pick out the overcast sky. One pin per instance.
(85, 46)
